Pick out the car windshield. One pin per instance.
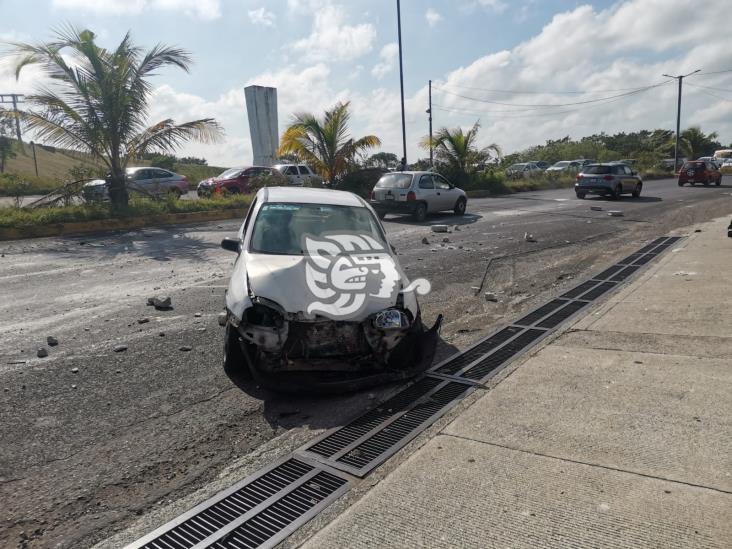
(597, 169)
(230, 173)
(395, 181)
(279, 227)
(694, 165)
(562, 164)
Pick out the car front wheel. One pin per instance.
(234, 362)
(719, 181)
(460, 206)
(581, 196)
(637, 190)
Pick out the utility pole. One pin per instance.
(401, 82)
(429, 111)
(35, 160)
(680, 78)
(13, 98)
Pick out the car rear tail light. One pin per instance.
(411, 196)
(579, 176)
(608, 178)
(373, 196)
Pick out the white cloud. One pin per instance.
(432, 17)
(261, 16)
(201, 9)
(388, 56)
(495, 5)
(332, 38)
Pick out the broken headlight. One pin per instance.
(391, 319)
(264, 313)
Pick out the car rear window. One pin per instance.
(279, 227)
(694, 165)
(395, 181)
(597, 169)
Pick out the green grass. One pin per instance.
(138, 207)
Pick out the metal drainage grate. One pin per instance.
(373, 448)
(649, 247)
(607, 273)
(459, 361)
(625, 273)
(343, 437)
(579, 290)
(642, 260)
(488, 365)
(562, 314)
(262, 509)
(541, 312)
(597, 291)
(630, 259)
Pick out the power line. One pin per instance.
(521, 92)
(713, 72)
(712, 94)
(708, 88)
(553, 105)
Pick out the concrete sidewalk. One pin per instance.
(616, 433)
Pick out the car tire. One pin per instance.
(615, 194)
(460, 206)
(234, 190)
(707, 181)
(235, 365)
(581, 196)
(637, 190)
(718, 182)
(420, 212)
(681, 183)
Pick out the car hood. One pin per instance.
(556, 169)
(283, 280)
(95, 183)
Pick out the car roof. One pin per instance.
(137, 168)
(308, 195)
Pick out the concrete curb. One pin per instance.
(100, 225)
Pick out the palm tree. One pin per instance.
(325, 144)
(458, 149)
(694, 143)
(97, 102)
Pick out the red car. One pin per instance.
(237, 180)
(699, 171)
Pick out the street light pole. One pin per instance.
(680, 78)
(429, 111)
(401, 82)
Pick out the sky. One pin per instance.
(528, 70)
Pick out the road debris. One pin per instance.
(490, 296)
(42, 353)
(143, 320)
(74, 370)
(439, 228)
(529, 237)
(163, 303)
(596, 208)
(446, 239)
(120, 348)
(197, 315)
(52, 341)
(425, 241)
(615, 213)
(185, 348)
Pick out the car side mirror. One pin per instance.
(231, 244)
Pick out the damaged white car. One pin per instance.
(317, 299)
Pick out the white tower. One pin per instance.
(262, 112)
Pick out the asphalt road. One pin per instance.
(92, 438)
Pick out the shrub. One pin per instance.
(360, 182)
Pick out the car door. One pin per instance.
(141, 180)
(629, 180)
(426, 193)
(164, 179)
(445, 193)
(293, 175)
(305, 174)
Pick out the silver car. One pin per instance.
(298, 174)
(565, 166)
(146, 180)
(317, 299)
(523, 169)
(612, 179)
(416, 193)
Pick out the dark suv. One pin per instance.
(610, 180)
(699, 171)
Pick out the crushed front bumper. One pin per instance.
(411, 356)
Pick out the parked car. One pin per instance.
(304, 256)
(699, 171)
(145, 180)
(542, 164)
(585, 161)
(298, 174)
(522, 169)
(565, 166)
(416, 193)
(238, 180)
(726, 166)
(611, 180)
(711, 159)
